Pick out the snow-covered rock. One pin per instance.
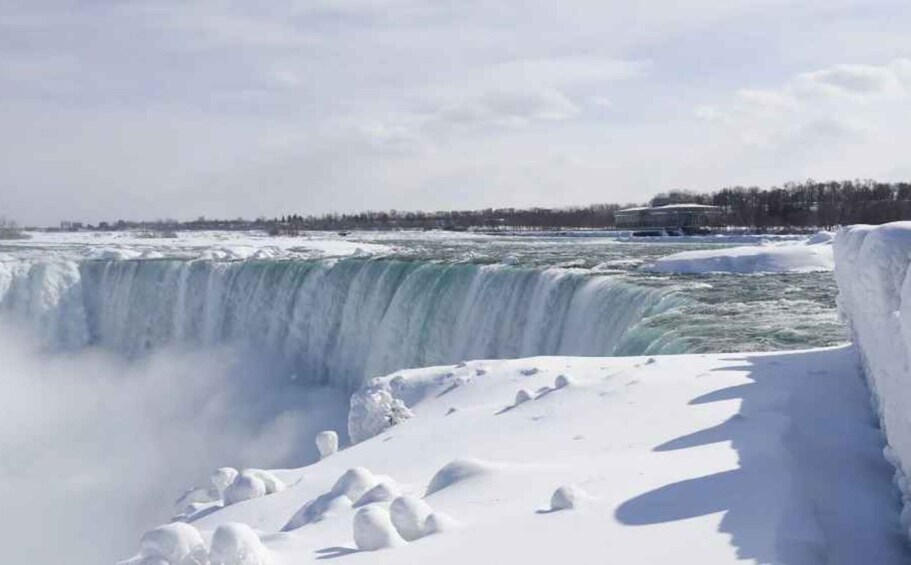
(173, 544)
(272, 483)
(523, 395)
(373, 529)
(874, 298)
(374, 409)
(409, 515)
(326, 443)
(238, 544)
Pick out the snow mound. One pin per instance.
(373, 529)
(246, 486)
(438, 523)
(565, 498)
(326, 443)
(222, 478)
(408, 516)
(563, 381)
(522, 396)
(354, 483)
(456, 472)
(383, 492)
(238, 544)
(191, 499)
(317, 510)
(814, 254)
(173, 544)
(272, 483)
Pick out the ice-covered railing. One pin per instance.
(333, 322)
(874, 284)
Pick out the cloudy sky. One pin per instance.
(166, 108)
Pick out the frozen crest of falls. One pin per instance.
(332, 322)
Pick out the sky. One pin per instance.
(175, 109)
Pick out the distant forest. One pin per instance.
(793, 205)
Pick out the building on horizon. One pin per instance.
(679, 218)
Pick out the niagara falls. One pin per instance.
(400, 282)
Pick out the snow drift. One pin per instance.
(874, 284)
(814, 254)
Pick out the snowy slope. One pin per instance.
(814, 254)
(772, 458)
(874, 286)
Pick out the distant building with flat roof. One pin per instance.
(687, 218)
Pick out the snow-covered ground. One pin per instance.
(813, 254)
(874, 283)
(770, 458)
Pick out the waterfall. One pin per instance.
(332, 322)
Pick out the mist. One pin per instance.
(94, 449)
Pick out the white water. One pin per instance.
(331, 322)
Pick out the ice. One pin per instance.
(238, 544)
(373, 529)
(221, 478)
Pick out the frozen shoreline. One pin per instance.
(691, 458)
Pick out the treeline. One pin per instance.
(793, 205)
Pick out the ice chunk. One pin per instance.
(326, 443)
(238, 544)
(373, 529)
(173, 544)
(408, 516)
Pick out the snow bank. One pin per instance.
(814, 254)
(875, 300)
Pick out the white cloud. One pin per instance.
(858, 81)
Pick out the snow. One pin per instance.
(172, 544)
(238, 544)
(813, 254)
(874, 284)
(326, 443)
(246, 486)
(771, 458)
(565, 498)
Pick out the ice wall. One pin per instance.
(336, 322)
(874, 284)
